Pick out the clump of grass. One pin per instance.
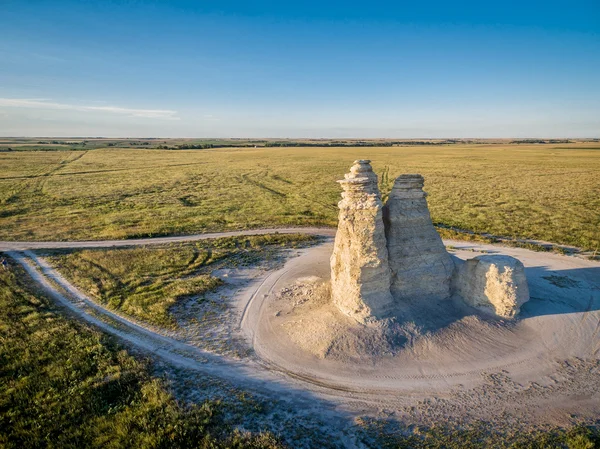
(477, 436)
(146, 282)
(65, 385)
(562, 281)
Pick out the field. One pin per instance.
(145, 283)
(63, 384)
(546, 192)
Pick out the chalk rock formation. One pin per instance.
(493, 283)
(421, 267)
(360, 275)
(387, 258)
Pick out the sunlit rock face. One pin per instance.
(493, 283)
(386, 259)
(421, 267)
(360, 275)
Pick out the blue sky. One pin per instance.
(303, 69)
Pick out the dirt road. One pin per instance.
(23, 246)
(544, 369)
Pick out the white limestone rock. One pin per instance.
(493, 283)
(360, 274)
(421, 267)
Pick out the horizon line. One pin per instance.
(303, 138)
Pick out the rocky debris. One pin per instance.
(421, 267)
(493, 283)
(360, 274)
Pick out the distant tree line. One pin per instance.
(204, 146)
(60, 142)
(360, 143)
(542, 141)
(196, 146)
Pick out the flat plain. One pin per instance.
(549, 192)
(545, 192)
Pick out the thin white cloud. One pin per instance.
(35, 103)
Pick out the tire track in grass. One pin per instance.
(262, 186)
(44, 179)
(28, 181)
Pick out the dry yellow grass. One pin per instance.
(546, 192)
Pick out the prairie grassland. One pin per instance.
(145, 282)
(66, 385)
(546, 192)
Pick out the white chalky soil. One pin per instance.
(542, 367)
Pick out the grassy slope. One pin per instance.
(146, 282)
(65, 385)
(547, 192)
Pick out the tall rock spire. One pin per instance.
(360, 274)
(387, 258)
(421, 267)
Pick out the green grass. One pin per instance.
(546, 192)
(146, 282)
(480, 435)
(65, 385)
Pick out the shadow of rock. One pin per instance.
(562, 291)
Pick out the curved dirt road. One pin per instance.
(562, 322)
(23, 246)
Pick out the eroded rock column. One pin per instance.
(421, 267)
(360, 274)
